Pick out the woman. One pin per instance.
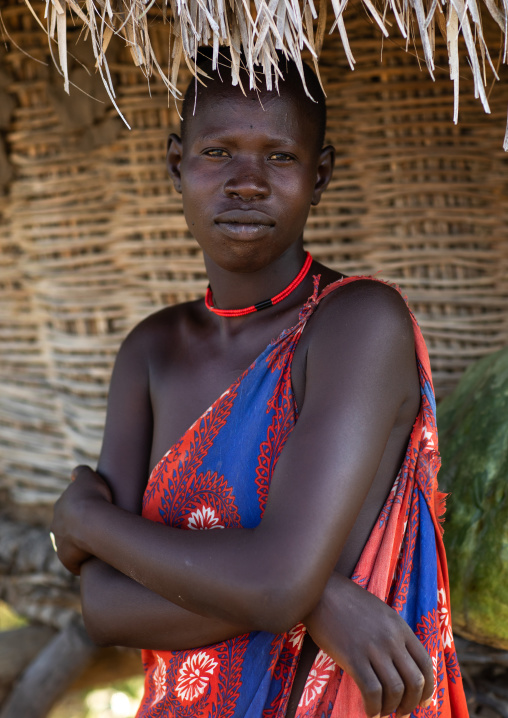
(302, 461)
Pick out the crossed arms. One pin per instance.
(153, 586)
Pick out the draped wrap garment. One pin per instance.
(218, 476)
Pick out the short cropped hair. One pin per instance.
(315, 104)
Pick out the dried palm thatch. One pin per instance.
(254, 31)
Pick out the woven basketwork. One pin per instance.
(93, 237)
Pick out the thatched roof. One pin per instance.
(260, 28)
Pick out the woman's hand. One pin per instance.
(375, 646)
(70, 514)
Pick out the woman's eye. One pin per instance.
(216, 153)
(280, 157)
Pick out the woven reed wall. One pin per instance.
(93, 237)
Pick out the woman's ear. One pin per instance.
(174, 160)
(324, 172)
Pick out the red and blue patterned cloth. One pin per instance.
(218, 476)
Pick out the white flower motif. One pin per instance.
(159, 679)
(434, 695)
(427, 436)
(317, 679)
(444, 619)
(296, 635)
(204, 518)
(194, 676)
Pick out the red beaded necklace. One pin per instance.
(266, 302)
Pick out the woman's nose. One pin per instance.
(247, 181)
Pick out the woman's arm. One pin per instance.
(118, 611)
(271, 576)
(375, 646)
(361, 633)
(328, 627)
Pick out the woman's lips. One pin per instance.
(244, 224)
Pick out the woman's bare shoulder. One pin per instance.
(361, 312)
(163, 328)
(360, 330)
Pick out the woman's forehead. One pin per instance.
(220, 110)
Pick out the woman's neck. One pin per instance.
(239, 289)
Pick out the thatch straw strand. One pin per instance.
(255, 32)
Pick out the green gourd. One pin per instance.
(473, 439)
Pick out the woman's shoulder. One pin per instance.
(163, 328)
(358, 305)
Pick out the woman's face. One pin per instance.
(249, 170)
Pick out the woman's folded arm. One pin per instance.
(118, 611)
(273, 575)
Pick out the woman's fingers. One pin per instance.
(415, 683)
(370, 687)
(394, 681)
(404, 683)
(82, 470)
(424, 663)
(83, 474)
(71, 512)
(372, 643)
(394, 688)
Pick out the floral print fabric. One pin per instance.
(218, 476)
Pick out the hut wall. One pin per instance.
(93, 237)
